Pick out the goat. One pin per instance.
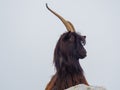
(69, 49)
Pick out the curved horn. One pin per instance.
(67, 24)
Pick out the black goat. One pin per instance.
(68, 51)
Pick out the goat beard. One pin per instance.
(66, 76)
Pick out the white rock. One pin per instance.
(85, 87)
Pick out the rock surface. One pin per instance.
(85, 87)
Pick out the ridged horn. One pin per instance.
(67, 24)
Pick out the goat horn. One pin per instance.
(67, 24)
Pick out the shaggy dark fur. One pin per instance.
(68, 51)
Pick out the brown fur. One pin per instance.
(68, 51)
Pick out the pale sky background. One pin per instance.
(29, 32)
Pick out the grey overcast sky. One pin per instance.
(29, 32)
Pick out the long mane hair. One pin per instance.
(69, 49)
